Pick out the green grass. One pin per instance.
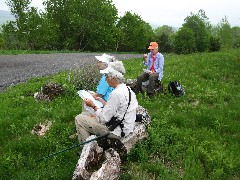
(196, 136)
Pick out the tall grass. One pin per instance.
(196, 136)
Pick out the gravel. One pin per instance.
(19, 68)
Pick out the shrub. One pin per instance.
(184, 41)
(215, 44)
(86, 77)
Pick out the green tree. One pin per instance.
(225, 33)
(65, 24)
(236, 37)
(165, 29)
(198, 23)
(9, 34)
(57, 15)
(84, 25)
(184, 41)
(164, 43)
(215, 44)
(29, 30)
(19, 9)
(134, 33)
(163, 34)
(2, 42)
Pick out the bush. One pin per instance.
(215, 44)
(164, 43)
(184, 41)
(86, 77)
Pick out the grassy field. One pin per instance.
(196, 136)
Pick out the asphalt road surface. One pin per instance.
(19, 68)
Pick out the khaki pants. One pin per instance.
(87, 125)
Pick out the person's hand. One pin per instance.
(92, 115)
(145, 57)
(95, 95)
(89, 102)
(101, 100)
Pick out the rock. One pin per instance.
(132, 83)
(48, 92)
(101, 159)
(138, 134)
(90, 155)
(41, 129)
(110, 168)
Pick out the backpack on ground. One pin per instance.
(176, 88)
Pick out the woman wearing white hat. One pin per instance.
(103, 88)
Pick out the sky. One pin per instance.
(171, 12)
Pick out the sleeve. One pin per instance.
(109, 110)
(148, 61)
(159, 68)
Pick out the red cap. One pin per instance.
(153, 45)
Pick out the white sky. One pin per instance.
(172, 12)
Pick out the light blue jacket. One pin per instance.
(158, 64)
(103, 88)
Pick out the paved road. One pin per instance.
(19, 68)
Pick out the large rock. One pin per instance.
(90, 155)
(93, 157)
(102, 159)
(140, 133)
(49, 91)
(110, 167)
(132, 83)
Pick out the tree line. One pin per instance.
(94, 25)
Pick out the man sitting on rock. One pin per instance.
(122, 105)
(155, 62)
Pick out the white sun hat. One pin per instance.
(113, 72)
(106, 58)
(102, 58)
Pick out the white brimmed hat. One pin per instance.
(106, 58)
(102, 58)
(112, 71)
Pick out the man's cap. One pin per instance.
(153, 45)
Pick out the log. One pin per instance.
(110, 168)
(90, 154)
(138, 134)
(102, 159)
(91, 157)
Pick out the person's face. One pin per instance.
(154, 51)
(101, 65)
(109, 80)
